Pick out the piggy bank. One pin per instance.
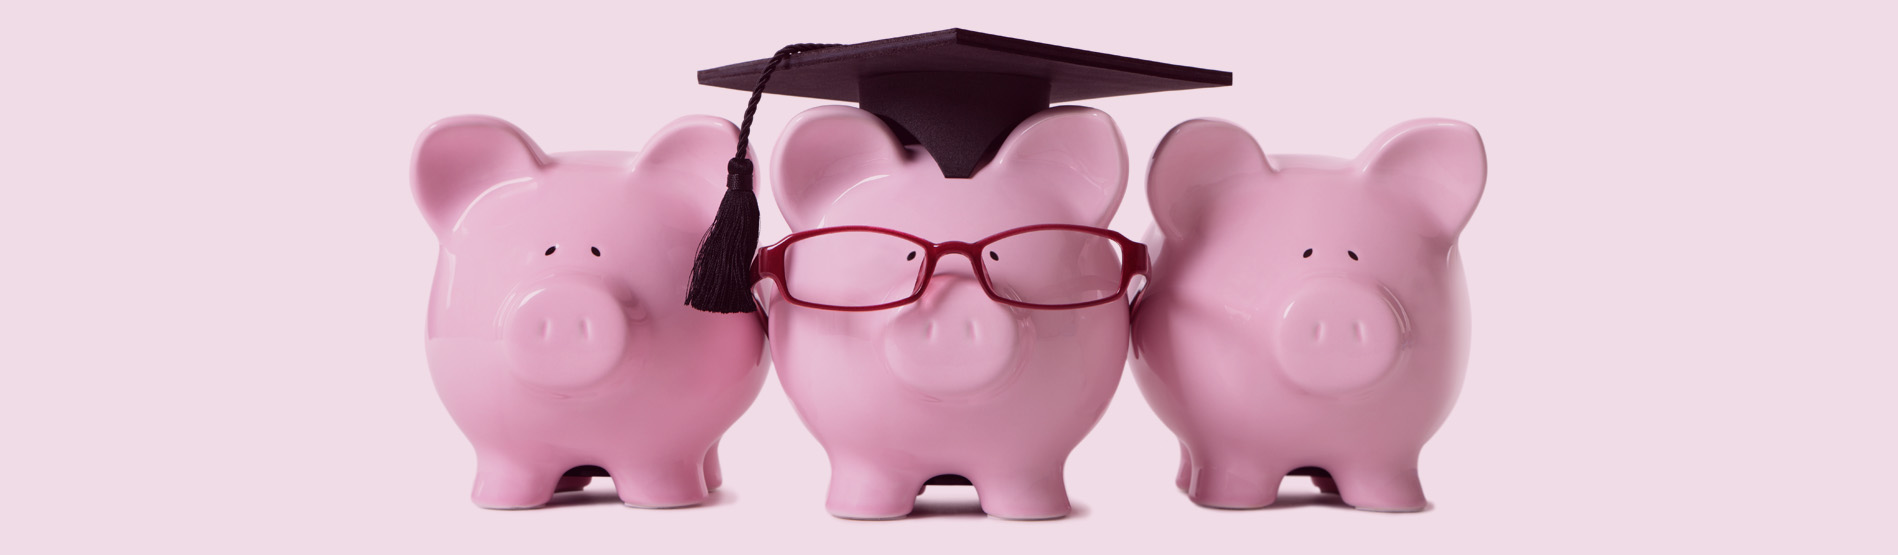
(1307, 314)
(952, 382)
(556, 334)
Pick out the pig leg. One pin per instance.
(862, 491)
(505, 484)
(1185, 478)
(660, 484)
(1233, 483)
(1390, 487)
(713, 477)
(1326, 484)
(1035, 492)
(572, 483)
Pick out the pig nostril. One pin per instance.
(1318, 331)
(1359, 328)
(586, 328)
(546, 329)
(970, 331)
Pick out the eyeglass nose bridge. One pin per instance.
(968, 251)
(965, 249)
(971, 252)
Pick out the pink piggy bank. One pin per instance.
(956, 385)
(1307, 314)
(556, 334)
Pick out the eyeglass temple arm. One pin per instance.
(1140, 266)
(757, 274)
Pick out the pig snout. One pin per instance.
(1340, 334)
(955, 342)
(565, 334)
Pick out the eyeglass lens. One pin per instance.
(1053, 267)
(852, 268)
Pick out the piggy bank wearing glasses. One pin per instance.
(1307, 314)
(556, 336)
(933, 330)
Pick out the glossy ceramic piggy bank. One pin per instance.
(1307, 314)
(556, 333)
(954, 386)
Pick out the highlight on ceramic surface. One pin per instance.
(555, 334)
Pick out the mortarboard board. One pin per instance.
(956, 93)
(959, 93)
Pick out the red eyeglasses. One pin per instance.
(864, 268)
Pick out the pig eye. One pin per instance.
(993, 256)
(912, 255)
(1354, 254)
(550, 251)
(596, 251)
(1307, 253)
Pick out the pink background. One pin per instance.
(1680, 273)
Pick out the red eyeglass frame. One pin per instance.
(769, 263)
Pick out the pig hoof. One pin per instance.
(1241, 500)
(513, 502)
(1231, 506)
(1028, 518)
(868, 517)
(1417, 509)
(1228, 486)
(664, 505)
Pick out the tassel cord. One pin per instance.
(721, 273)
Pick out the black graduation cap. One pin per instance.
(957, 93)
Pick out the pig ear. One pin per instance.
(459, 158)
(698, 145)
(1437, 163)
(1079, 139)
(1193, 156)
(822, 153)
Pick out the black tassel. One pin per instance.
(721, 274)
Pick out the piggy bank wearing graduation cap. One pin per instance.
(1307, 314)
(556, 336)
(936, 330)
